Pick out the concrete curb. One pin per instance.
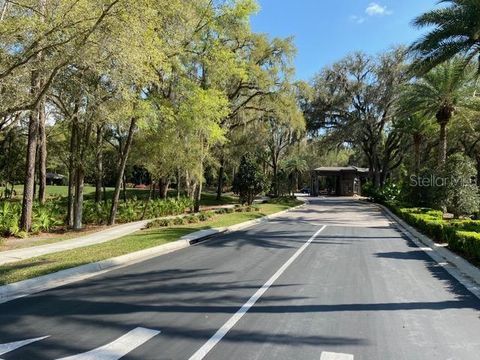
(108, 234)
(467, 274)
(64, 277)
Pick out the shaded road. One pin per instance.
(360, 288)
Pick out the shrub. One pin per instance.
(467, 242)
(390, 192)
(160, 223)
(179, 221)
(9, 218)
(45, 219)
(205, 216)
(460, 192)
(249, 180)
(192, 219)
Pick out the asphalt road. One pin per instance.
(358, 290)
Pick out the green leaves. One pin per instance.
(454, 30)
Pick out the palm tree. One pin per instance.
(441, 92)
(417, 126)
(455, 31)
(295, 166)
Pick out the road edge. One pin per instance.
(464, 272)
(35, 285)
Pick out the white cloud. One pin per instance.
(357, 19)
(375, 9)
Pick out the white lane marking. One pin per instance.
(6, 348)
(215, 339)
(118, 348)
(335, 356)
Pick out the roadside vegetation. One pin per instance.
(158, 233)
(148, 108)
(128, 104)
(412, 117)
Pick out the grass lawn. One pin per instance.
(13, 243)
(208, 198)
(144, 239)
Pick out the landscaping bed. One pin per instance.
(154, 236)
(461, 236)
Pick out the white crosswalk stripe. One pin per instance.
(118, 348)
(6, 348)
(335, 356)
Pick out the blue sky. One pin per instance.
(327, 30)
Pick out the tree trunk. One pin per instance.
(198, 196)
(124, 185)
(179, 178)
(42, 147)
(28, 187)
(163, 186)
(78, 204)
(442, 151)
(188, 184)
(275, 179)
(121, 171)
(71, 175)
(3, 11)
(99, 164)
(221, 174)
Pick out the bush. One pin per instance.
(179, 220)
(205, 216)
(461, 236)
(9, 218)
(460, 192)
(159, 223)
(45, 218)
(192, 219)
(390, 192)
(249, 180)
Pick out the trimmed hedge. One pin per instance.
(467, 242)
(461, 236)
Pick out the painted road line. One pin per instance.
(118, 348)
(6, 348)
(335, 356)
(215, 339)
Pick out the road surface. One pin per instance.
(335, 280)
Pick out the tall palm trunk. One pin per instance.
(442, 151)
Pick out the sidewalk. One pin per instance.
(112, 233)
(102, 236)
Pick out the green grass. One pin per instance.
(208, 198)
(47, 264)
(67, 259)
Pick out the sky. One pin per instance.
(327, 30)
